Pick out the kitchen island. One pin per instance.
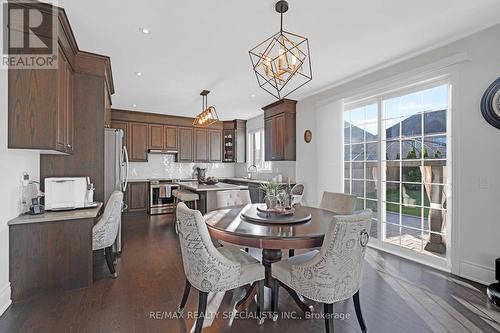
(208, 193)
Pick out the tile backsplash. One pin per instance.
(164, 166)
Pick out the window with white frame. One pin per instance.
(256, 150)
(396, 162)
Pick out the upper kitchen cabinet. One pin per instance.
(170, 138)
(279, 126)
(40, 102)
(234, 141)
(164, 134)
(208, 145)
(156, 136)
(138, 142)
(215, 140)
(163, 137)
(185, 145)
(201, 145)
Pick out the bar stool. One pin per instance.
(187, 196)
(184, 196)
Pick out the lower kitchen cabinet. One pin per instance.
(137, 197)
(256, 194)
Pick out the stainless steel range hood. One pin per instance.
(163, 151)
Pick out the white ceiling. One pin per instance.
(196, 45)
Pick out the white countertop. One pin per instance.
(50, 216)
(194, 186)
(256, 181)
(174, 180)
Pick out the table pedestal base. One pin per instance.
(270, 256)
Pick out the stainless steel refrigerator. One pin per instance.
(115, 169)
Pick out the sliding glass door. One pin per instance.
(396, 162)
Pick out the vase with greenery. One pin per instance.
(271, 190)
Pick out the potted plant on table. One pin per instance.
(271, 190)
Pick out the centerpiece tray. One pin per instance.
(275, 211)
(260, 214)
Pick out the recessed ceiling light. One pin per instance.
(134, 105)
(252, 95)
(145, 31)
(138, 73)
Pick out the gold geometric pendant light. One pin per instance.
(282, 63)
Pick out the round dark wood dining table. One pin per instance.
(227, 224)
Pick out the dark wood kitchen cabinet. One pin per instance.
(170, 138)
(65, 105)
(215, 137)
(156, 136)
(137, 196)
(185, 145)
(41, 100)
(63, 109)
(280, 129)
(162, 137)
(138, 141)
(208, 145)
(171, 134)
(201, 145)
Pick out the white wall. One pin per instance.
(12, 166)
(475, 210)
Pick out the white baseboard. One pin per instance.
(4, 298)
(478, 273)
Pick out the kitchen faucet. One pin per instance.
(252, 169)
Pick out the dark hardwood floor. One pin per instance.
(396, 296)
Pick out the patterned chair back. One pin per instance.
(233, 198)
(205, 267)
(297, 194)
(339, 203)
(105, 231)
(334, 274)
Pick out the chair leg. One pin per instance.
(357, 307)
(275, 298)
(260, 302)
(291, 253)
(185, 296)
(196, 205)
(109, 260)
(328, 313)
(202, 307)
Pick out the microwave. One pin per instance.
(65, 193)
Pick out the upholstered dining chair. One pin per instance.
(297, 194)
(333, 273)
(232, 198)
(339, 203)
(105, 230)
(211, 269)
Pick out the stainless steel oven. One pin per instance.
(161, 198)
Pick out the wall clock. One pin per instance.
(307, 136)
(490, 104)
